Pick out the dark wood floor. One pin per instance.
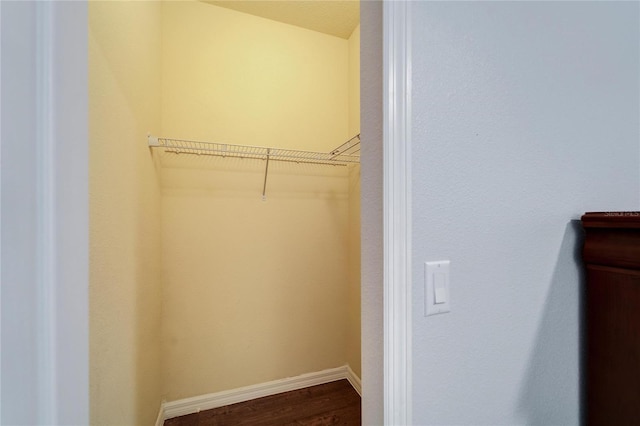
(335, 403)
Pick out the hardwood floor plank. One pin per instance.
(335, 403)
(341, 416)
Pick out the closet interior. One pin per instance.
(226, 245)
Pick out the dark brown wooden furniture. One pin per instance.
(612, 258)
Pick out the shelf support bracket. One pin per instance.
(153, 141)
(266, 171)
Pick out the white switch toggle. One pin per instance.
(437, 287)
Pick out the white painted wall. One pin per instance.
(525, 115)
(19, 238)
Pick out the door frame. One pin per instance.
(61, 257)
(397, 213)
(44, 117)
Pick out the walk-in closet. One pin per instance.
(224, 200)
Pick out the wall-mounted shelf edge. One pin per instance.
(345, 154)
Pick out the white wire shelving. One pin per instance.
(343, 155)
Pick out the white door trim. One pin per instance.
(397, 213)
(68, 155)
(63, 212)
(46, 216)
(1, 399)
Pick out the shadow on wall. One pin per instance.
(552, 391)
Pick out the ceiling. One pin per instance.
(334, 17)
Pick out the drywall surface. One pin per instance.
(354, 336)
(253, 290)
(124, 104)
(237, 78)
(371, 201)
(354, 82)
(525, 115)
(354, 274)
(337, 18)
(19, 175)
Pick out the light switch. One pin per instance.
(439, 287)
(437, 299)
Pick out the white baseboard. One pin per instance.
(160, 419)
(354, 380)
(182, 407)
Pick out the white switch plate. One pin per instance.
(437, 298)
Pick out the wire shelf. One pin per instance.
(345, 154)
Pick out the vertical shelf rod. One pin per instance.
(266, 170)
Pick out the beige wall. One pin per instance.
(238, 78)
(124, 103)
(354, 82)
(353, 339)
(253, 291)
(250, 291)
